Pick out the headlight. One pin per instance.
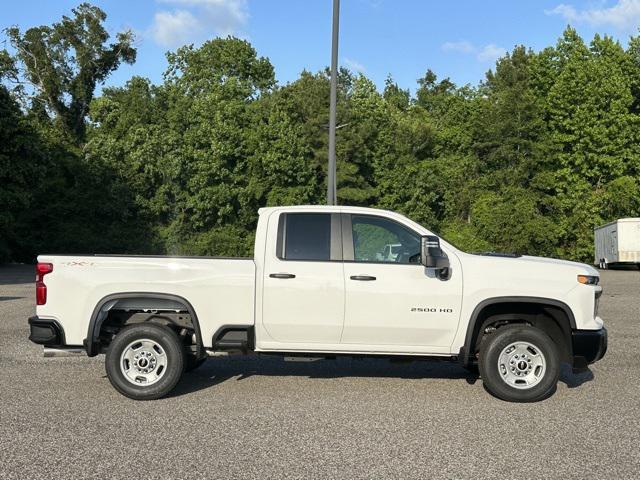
(588, 279)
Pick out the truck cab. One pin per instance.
(328, 281)
(324, 289)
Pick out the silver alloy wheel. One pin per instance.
(521, 365)
(143, 362)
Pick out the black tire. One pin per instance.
(192, 362)
(170, 348)
(491, 349)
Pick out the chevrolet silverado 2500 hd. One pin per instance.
(320, 285)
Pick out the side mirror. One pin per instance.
(431, 255)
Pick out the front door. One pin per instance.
(393, 303)
(303, 296)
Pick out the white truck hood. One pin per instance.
(588, 269)
(525, 275)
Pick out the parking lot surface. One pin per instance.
(251, 417)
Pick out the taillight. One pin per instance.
(41, 289)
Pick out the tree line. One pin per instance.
(545, 148)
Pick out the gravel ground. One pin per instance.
(246, 417)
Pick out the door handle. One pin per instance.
(363, 278)
(282, 275)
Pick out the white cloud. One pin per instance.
(197, 20)
(488, 53)
(171, 29)
(463, 47)
(354, 65)
(623, 15)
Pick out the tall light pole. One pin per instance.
(332, 198)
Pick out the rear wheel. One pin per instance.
(145, 361)
(519, 364)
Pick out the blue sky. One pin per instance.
(459, 39)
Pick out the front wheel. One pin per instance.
(145, 361)
(519, 364)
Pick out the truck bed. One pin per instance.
(221, 290)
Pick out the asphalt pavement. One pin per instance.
(254, 417)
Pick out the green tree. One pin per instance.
(529, 160)
(65, 62)
(186, 148)
(594, 133)
(20, 153)
(55, 199)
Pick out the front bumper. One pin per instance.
(589, 346)
(46, 332)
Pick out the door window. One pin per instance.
(379, 240)
(307, 236)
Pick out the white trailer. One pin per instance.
(618, 243)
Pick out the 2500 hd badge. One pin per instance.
(431, 310)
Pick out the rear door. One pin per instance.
(303, 292)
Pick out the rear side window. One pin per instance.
(305, 236)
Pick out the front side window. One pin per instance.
(307, 236)
(377, 239)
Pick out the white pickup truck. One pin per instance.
(317, 288)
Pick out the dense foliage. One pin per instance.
(530, 160)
